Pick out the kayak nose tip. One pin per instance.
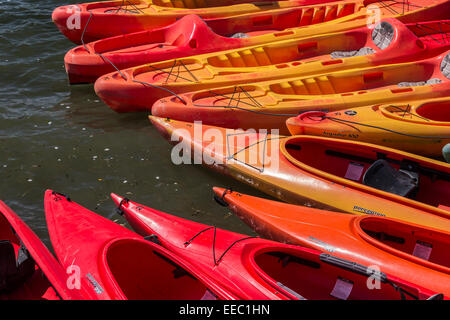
(116, 198)
(60, 15)
(218, 191)
(104, 88)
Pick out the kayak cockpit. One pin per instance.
(381, 171)
(424, 246)
(438, 111)
(141, 271)
(305, 276)
(434, 112)
(20, 276)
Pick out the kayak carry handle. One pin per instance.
(368, 272)
(153, 238)
(62, 195)
(437, 297)
(353, 267)
(221, 200)
(119, 210)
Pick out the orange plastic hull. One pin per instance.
(345, 236)
(258, 160)
(267, 105)
(98, 20)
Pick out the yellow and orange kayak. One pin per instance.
(421, 127)
(325, 173)
(267, 105)
(97, 20)
(110, 18)
(389, 42)
(406, 250)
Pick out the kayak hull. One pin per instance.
(420, 127)
(263, 160)
(269, 104)
(99, 20)
(359, 48)
(115, 263)
(186, 37)
(251, 263)
(38, 276)
(347, 236)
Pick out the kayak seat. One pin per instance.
(355, 53)
(382, 176)
(13, 273)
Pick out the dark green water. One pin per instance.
(54, 136)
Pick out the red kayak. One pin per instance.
(188, 36)
(115, 263)
(255, 268)
(409, 251)
(98, 20)
(28, 271)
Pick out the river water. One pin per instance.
(61, 137)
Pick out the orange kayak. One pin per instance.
(389, 42)
(98, 20)
(421, 127)
(325, 173)
(406, 250)
(186, 37)
(267, 105)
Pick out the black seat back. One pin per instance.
(382, 176)
(14, 272)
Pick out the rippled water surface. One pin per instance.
(54, 136)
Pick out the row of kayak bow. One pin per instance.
(248, 65)
(324, 255)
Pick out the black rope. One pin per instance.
(402, 291)
(445, 35)
(119, 207)
(162, 88)
(199, 233)
(221, 200)
(62, 195)
(252, 111)
(216, 262)
(233, 156)
(381, 128)
(389, 6)
(228, 249)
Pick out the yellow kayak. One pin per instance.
(267, 105)
(331, 174)
(421, 127)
